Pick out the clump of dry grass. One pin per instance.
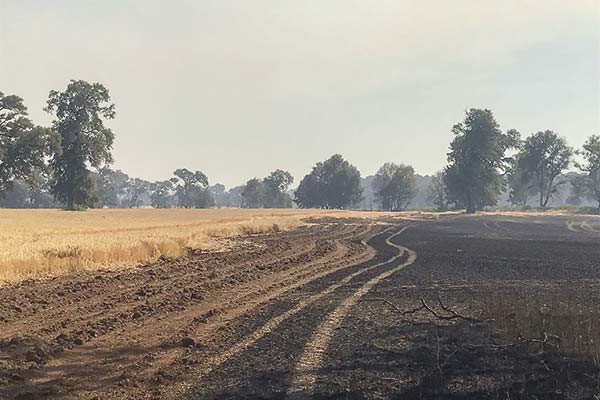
(48, 242)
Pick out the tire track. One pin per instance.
(303, 380)
(215, 361)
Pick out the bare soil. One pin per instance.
(317, 312)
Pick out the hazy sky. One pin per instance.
(239, 88)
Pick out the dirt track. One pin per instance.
(300, 314)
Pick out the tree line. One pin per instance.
(68, 165)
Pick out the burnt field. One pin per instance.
(492, 307)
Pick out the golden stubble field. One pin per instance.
(37, 243)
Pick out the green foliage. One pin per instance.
(334, 183)
(24, 147)
(395, 186)
(191, 189)
(543, 157)
(591, 168)
(80, 112)
(477, 159)
(436, 192)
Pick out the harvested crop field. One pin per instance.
(45, 242)
(459, 307)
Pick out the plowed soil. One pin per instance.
(330, 310)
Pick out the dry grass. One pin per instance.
(568, 326)
(48, 242)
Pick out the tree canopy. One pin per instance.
(24, 147)
(477, 160)
(334, 183)
(270, 192)
(543, 157)
(191, 189)
(394, 186)
(80, 113)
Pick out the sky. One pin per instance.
(237, 89)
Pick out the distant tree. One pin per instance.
(161, 193)
(110, 186)
(219, 194)
(477, 160)
(275, 188)
(591, 168)
(436, 192)
(543, 158)
(39, 190)
(32, 194)
(24, 147)
(395, 186)
(234, 196)
(253, 194)
(191, 189)
(134, 190)
(84, 140)
(334, 183)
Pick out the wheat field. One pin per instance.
(36, 243)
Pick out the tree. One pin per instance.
(24, 147)
(591, 167)
(520, 184)
(543, 158)
(395, 186)
(436, 192)
(191, 189)
(275, 187)
(134, 190)
(161, 193)
(111, 186)
(477, 160)
(253, 194)
(334, 183)
(80, 112)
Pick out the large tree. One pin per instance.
(591, 167)
(395, 186)
(191, 189)
(543, 157)
(477, 160)
(24, 147)
(80, 112)
(334, 183)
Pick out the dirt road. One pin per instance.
(311, 313)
